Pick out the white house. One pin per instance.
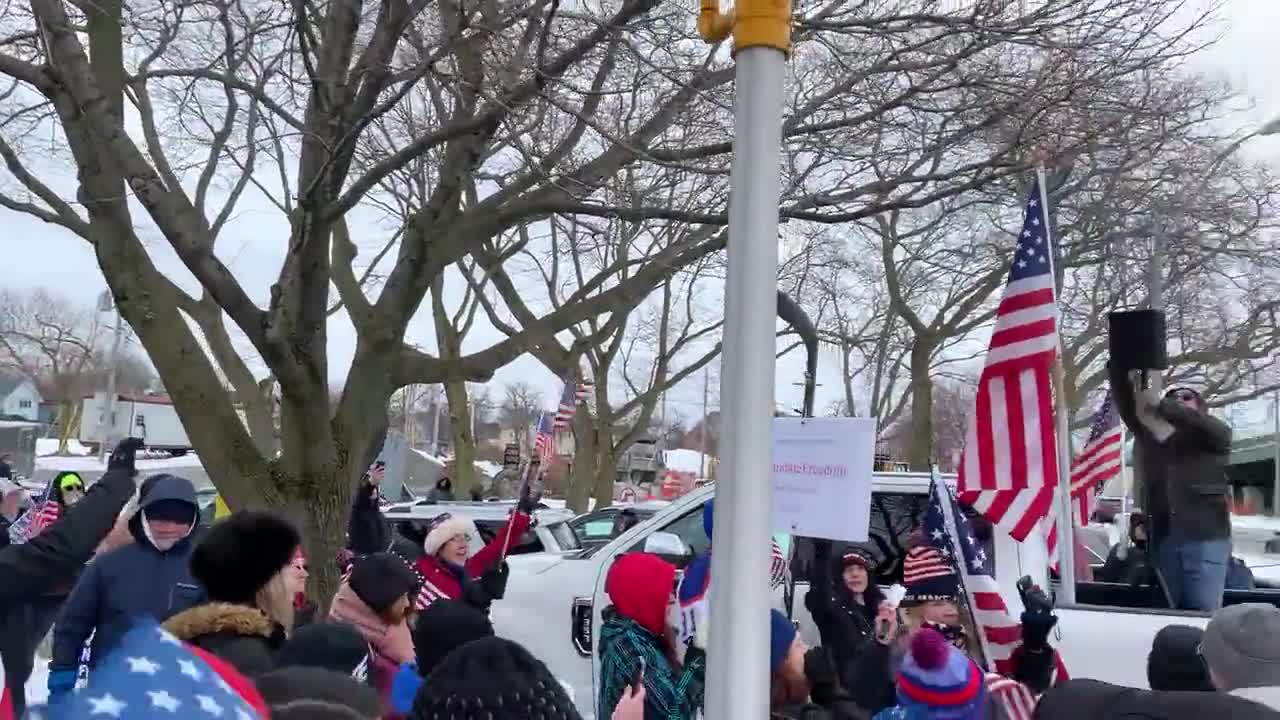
(19, 397)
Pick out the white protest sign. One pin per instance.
(822, 477)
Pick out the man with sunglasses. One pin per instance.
(1182, 453)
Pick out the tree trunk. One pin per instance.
(606, 472)
(68, 420)
(920, 449)
(464, 443)
(584, 461)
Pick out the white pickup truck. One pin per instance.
(554, 600)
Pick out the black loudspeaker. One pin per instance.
(1136, 340)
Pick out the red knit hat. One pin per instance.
(640, 585)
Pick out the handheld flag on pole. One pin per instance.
(1009, 470)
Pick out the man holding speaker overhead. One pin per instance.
(1180, 454)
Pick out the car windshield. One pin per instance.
(565, 537)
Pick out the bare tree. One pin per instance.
(522, 406)
(458, 123)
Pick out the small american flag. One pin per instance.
(573, 394)
(153, 674)
(1008, 471)
(1099, 460)
(46, 515)
(544, 442)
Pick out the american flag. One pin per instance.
(999, 633)
(1099, 460)
(1008, 471)
(35, 520)
(153, 674)
(573, 394)
(544, 442)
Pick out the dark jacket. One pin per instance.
(131, 581)
(32, 569)
(844, 624)
(1100, 701)
(367, 530)
(1132, 569)
(239, 634)
(442, 492)
(1183, 482)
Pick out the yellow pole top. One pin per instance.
(753, 23)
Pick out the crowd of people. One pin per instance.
(124, 571)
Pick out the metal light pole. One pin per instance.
(738, 656)
(107, 424)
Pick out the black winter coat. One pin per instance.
(1100, 701)
(129, 582)
(845, 625)
(30, 571)
(368, 531)
(239, 634)
(1183, 486)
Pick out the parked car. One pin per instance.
(550, 532)
(598, 527)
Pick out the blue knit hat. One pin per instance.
(940, 680)
(782, 632)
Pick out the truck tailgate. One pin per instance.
(1112, 643)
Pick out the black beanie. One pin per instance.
(290, 690)
(1175, 662)
(379, 579)
(443, 627)
(332, 646)
(493, 679)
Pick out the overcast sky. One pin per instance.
(36, 255)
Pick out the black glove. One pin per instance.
(821, 674)
(1038, 618)
(123, 456)
(494, 580)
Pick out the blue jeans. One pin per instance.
(1195, 571)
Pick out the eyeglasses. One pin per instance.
(302, 567)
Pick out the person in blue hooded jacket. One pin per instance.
(149, 577)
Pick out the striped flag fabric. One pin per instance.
(544, 441)
(1008, 471)
(950, 534)
(1099, 460)
(572, 394)
(1018, 700)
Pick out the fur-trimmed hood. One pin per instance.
(221, 618)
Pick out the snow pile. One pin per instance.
(686, 461)
(488, 468)
(49, 446)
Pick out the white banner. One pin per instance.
(822, 477)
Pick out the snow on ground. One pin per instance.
(488, 467)
(38, 685)
(49, 446)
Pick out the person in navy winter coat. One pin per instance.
(148, 577)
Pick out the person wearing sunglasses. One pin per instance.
(1182, 453)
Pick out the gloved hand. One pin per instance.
(494, 580)
(61, 683)
(1038, 618)
(122, 458)
(822, 675)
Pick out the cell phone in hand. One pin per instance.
(637, 680)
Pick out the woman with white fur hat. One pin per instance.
(448, 572)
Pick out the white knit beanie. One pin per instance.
(442, 530)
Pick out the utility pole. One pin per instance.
(108, 423)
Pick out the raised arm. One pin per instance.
(1215, 433)
(1123, 397)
